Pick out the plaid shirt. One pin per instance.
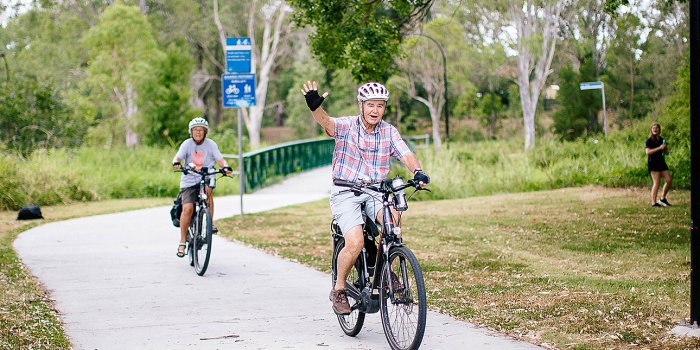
(363, 155)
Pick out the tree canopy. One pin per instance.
(362, 36)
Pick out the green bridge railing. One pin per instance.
(292, 157)
(283, 159)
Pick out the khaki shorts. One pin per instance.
(190, 194)
(346, 208)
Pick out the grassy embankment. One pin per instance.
(576, 268)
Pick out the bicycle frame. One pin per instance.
(202, 196)
(368, 299)
(198, 234)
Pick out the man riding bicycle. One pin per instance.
(364, 146)
(202, 152)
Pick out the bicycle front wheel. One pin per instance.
(202, 241)
(403, 302)
(352, 323)
(190, 242)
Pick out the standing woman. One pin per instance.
(656, 149)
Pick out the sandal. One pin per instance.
(181, 253)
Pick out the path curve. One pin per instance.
(118, 285)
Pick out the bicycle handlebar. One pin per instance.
(205, 171)
(384, 185)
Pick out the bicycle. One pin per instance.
(401, 297)
(199, 233)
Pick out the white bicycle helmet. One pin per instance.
(199, 121)
(372, 91)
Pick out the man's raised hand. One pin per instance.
(310, 91)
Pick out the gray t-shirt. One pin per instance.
(205, 154)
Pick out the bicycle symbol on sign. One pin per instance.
(232, 89)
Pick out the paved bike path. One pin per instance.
(118, 285)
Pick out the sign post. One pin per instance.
(591, 85)
(238, 90)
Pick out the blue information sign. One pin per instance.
(238, 90)
(590, 85)
(238, 55)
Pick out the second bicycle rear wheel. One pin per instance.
(352, 323)
(404, 310)
(202, 242)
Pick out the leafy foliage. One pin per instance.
(363, 36)
(579, 109)
(164, 100)
(33, 116)
(122, 53)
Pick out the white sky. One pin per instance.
(13, 7)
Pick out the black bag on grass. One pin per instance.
(30, 212)
(176, 211)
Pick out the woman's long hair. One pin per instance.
(655, 138)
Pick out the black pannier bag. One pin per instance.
(176, 211)
(30, 212)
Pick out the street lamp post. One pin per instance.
(444, 75)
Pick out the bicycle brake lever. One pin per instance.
(356, 189)
(417, 186)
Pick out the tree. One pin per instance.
(263, 56)
(363, 36)
(578, 114)
(624, 69)
(32, 116)
(164, 100)
(586, 26)
(122, 50)
(537, 26)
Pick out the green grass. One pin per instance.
(28, 319)
(575, 268)
(64, 176)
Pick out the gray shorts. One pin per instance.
(346, 209)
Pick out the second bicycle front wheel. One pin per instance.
(202, 241)
(403, 306)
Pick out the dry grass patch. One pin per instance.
(577, 268)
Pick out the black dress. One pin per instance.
(656, 161)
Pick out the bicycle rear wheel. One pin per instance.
(202, 241)
(352, 323)
(403, 310)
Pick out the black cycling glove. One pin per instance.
(313, 99)
(421, 177)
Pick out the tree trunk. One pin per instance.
(528, 119)
(274, 13)
(132, 138)
(434, 110)
(632, 72)
(537, 27)
(398, 114)
(435, 118)
(127, 102)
